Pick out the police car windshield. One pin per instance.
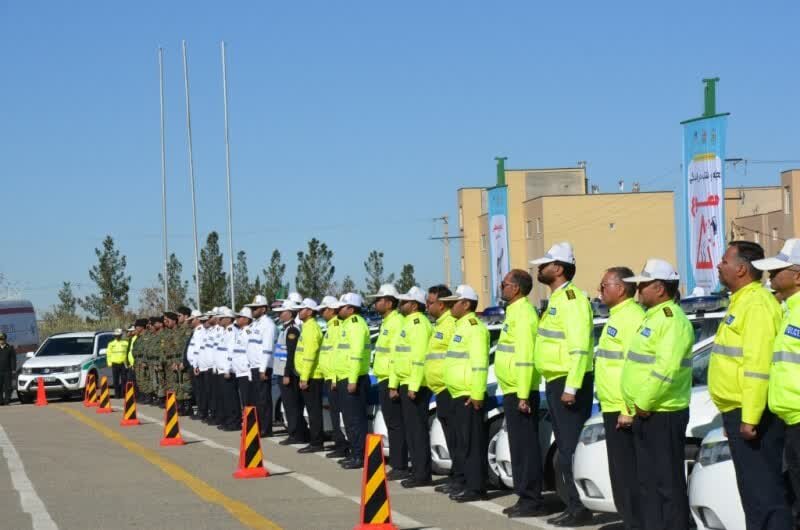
(66, 346)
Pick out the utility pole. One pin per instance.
(445, 239)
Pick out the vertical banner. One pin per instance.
(704, 200)
(498, 240)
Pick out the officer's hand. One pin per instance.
(476, 403)
(227, 376)
(568, 399)
(748, 431)
(303, 385)
(262, 376)
(197, 371)
(351, 388)
(285, 381)
(624, 422)
(642, 413)
(524, 407)
(412, 395)
(393, 394)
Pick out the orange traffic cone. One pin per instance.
(105, 399)
(376, 511)
(94, 396)
(251, 461)
(89, 391)
(41, 397)
(129, 415)
(172, 430)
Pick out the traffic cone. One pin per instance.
(129, 415)
(104, 407)
(93, 394)
(376, 510)
(41, 397)
(88, 392)
(172, 430)
(251, 461)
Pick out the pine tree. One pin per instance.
(67, 303)
(242, 286)
(177, 288)
(273, 277)
(348, 285)
(374, 268)
(112, 284)
(213, 279)
(314, 270)
(406, 280)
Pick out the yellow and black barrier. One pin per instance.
(376, 510)
(172, 430)
(251, 459)
(90, 392)
(104, 407)
(129, 415)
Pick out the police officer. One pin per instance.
(738, 381)
(465, 373)
(563, 355)
(656, 384)
(625, 318)
(306, 362)
(327, 354)
(8, 366)
(408, 378)
(386, 302)
(208, 361)
(262, 343)
(197, 349)
(240, 360)
(117, 355)
(289, 384)
(352, 377)
(519, 382)
(227, 411)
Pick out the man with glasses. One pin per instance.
(738, 381)
(656, 383)
(625, 317)
(563, 355)
(783, 395)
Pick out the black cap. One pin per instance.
(170, 315)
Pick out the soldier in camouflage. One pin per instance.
(170, 343)
(155, 362)
(179, 363)
(142, 327)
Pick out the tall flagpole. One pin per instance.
(191, 175)
(228, 175)
(163, 176)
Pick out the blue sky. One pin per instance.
(355, 121)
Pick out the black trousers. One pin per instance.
(471, 446)
(526, 452)
(354, 410)
(444, 412)
(119, 376)
(622, 472)
(758, 464)
(567, 425)
(219, 400)
(231, 413)
(339, 440)
(392, 411)
(293, 404)
(418, 436)
(261, 397)
(792, 455)
(312, 397)
(5, 387)
(202, 393)
(245, 387)
(659, 444)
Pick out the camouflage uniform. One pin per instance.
(168, 344)
(184, 383)
(140, 361)
(156, 363)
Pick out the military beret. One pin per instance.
(170, 315)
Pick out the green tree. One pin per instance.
(348, 285)
(273, 277)
(177, 287)
(67, 303)
(213, 279)
(242, 286)
(314, 270)
(374, 268)
(406, 280)
(112, 284)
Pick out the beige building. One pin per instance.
(546, 206)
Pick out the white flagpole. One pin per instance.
(228, 175)
(191, 175)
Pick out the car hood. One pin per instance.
(56, 361)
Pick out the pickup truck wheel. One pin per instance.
(25, 399)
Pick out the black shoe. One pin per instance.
(353, 464)
(398, 474)
(523, 510)
(415, 483)
(345, 460)
(288, 441)
(510, 508)
(448, 487)
(558, 518)
(266, 434)
(336, 453)
(468, 496)
(311, 449)
(578, 518)
(229, 428)
(212, 421)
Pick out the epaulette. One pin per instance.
(473, 322)
(668, 312)
(354, 319)
(570, 294)
(335, 323)
(416, 320)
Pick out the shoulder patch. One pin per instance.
(646, 332)
(439, 335)
(611, 331)
(729, 319)
(416, 321)
(668, 312)
(552, 310)
(570, 294)
(473, 322)
(354, 319)
(792, 331)
(456, 338)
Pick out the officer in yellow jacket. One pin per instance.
(519, 381)
(408, 378)
(306, 361)
(386, 302)
(738, 381)
(352, 377)
(784, 390)
(656, 384)
(624, 320)
(328, 309)
(465, 373)
(563, 355)
(117, 357)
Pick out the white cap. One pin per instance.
(195, 314)
(258, 301)
(559, 252)
(131, 329)
(225, 312)
(295, 298)
(118, 331)
(245, 312)
(415, 293)
(788, 256)
(330, 302)
(387, 289)
(308, 303)
(654, 269)
(213, 312)
(463, 292)
(286, 305)
(353, 299)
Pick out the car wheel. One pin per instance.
(25, 399)
(491, 454)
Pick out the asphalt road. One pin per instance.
(64, 466)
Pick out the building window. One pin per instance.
(485, 284)
(787, 200)
(461, 218)
(527, 228)
(484, 243)
(774, 234)
(538, 225)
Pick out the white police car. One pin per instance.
(64, 362)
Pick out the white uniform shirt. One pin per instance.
(195, 346)
(240, 365)
(222, 356)
(262, 343)
(205, 360)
